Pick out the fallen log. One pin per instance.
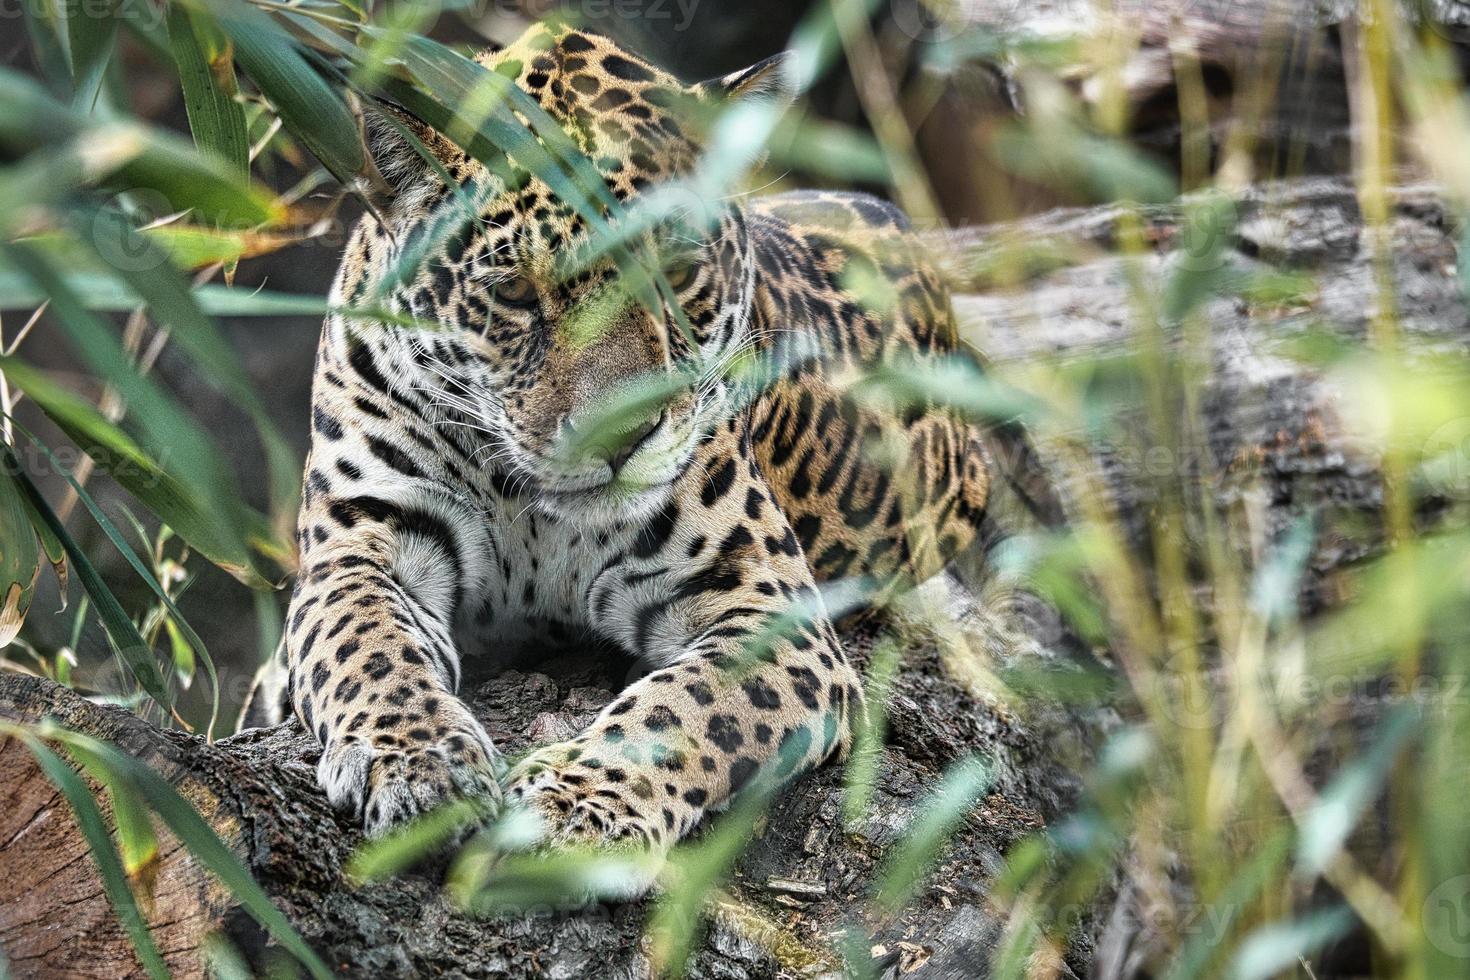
(806, 874)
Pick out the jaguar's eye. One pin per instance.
(680, 275)
(519, 291)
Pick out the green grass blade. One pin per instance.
(311, 109)
(129, 644)
(92, 34)
(207, 75)
(906, 867)
(141, 569)
(202, 495)
(109, 865)
(131, 156)
(20, 558)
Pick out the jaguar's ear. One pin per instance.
(772, 80)
(404, 148)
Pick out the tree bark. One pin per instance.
(806, 874)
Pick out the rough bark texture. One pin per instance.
(805, 869)
(257, 788)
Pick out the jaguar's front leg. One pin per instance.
(754, 681)
(372, 663)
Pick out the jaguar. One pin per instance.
(571, 426)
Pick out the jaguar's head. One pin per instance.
(584, 325)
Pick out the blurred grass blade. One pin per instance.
(20, 559)
(1278, 947)
(92, 34)
(131, 156)
(201, 841)
(126, 641)
(907, 866)
(1233, 903)
(386, 856)
(698, 870)
(312, 110)
(171, 302)
(863, 763)
(102, 294)
(1202, 261)
(201, 497)
(176, 618)
(175, 501)
(612, 420)
(1277, 582)
(695, 869)
(136, 840)
(207, 75)
(522, 882)
(224, 961)
(1325, 830)
(109, 866)
(47, 48)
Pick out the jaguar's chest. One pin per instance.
(539, 575)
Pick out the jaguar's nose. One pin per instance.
(630, 441)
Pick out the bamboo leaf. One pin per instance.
(136, 839)
(191, 246)
(51, 548)
(193, 485)
(386, 856)
(674, 925)
(143, 572)
(130, 156)
(206, 72)
(20, 559)
(176, 501)
(104, 294)
(171, 302)
(47, 48)
(1324, 831)
(124, 636)
(1280, 946)
(92, 34)
(313, 111)
(181, 651)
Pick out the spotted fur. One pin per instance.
(444, 516)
